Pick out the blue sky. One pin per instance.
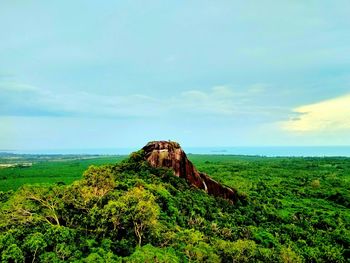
(95, 74)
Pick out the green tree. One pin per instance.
(12, 254)
(315, 183)
(35, 243)
(242, 250)
(64, 241)
(97, 181)
(38, 203)
(194, 245)
(150, 254)
(289, 256)
(142, 210)
(49, 257)
(114, 211)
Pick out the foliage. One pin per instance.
(48, 169)
(295, 210)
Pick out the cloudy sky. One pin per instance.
(95, 74)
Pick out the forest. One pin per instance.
(123, 210)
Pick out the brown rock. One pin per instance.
(169, 154)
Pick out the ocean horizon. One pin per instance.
(268, 151)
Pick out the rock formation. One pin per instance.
(169, 154)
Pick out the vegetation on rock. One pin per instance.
(133, 212)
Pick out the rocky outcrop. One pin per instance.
(169, 154)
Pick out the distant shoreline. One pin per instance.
(273, 151)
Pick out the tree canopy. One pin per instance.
(131, 212)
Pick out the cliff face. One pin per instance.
(169, 154)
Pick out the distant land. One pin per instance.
(269, 151)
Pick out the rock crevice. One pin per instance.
(170, 155)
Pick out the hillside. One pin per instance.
(134, 212)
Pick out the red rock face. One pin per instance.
(169, 154)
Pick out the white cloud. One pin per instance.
(88, 104)
(325, 116)
(257, 88)
(25, 100)
(16, 87)
(218, 100)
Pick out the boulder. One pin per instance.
(170, 155)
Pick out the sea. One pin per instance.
(271, 151)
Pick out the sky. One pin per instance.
(110, 74)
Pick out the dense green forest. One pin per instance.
(47, 169)
(290, 210)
